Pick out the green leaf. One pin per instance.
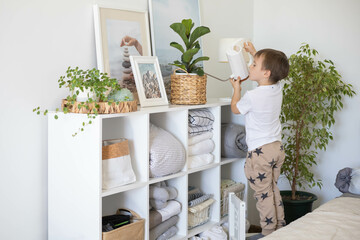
(204, 58)
(177, 46)
(56, 116)
(188, 25)
(197, 33)
(189, 54)
(180, 29)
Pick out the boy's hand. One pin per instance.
(236, 83)
(249, 47)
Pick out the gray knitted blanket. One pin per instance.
(233, 140)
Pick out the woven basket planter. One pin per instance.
(104, 107)
(188, 89)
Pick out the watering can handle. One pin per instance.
(243, 41)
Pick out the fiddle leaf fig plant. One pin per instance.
(191, 46)
(96, 85)
(313, 92)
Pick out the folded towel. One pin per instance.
(154, 218)
(162, 227)
(233, 139)
(201, 117)
(199, 130)
(168, 233)
(216, 232)
(200, 137)
(200, 160)
(192, 196)
(199, 200)
(157, 204)
(203, 147)
(343, 179)
(158, 216)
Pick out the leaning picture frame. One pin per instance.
(149, 81)
(119, 34)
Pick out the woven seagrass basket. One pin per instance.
(103, 107)
(188, 89)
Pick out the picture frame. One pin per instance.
(120, 33)
(162, 14)
(149, 81)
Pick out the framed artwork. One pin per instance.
(163, 13)
(149, 81)
(120, 34)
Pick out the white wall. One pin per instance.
(332, 27)
(39, 39)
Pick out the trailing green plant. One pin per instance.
(191, 46)
(90, 81)
(312, 93)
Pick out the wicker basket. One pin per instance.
(199, 214)
(104, 107)
(188, 89)
(238, 189)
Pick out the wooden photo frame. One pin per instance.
(120, 34)
(149, 81)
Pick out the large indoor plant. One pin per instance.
(312, 93)
(190, 89)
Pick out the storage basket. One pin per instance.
(238, 189)
(199, 214)
(133, 231)
(188, 89)
(116, 163)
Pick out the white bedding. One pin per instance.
(338, 219)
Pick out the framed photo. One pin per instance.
(120, 34)
(149, 81)
(163, 13)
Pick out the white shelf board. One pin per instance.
(202, 168)
(201, 228)
(124, 188)
(230, 160)
(159, 179)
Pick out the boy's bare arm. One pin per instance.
(236, 95)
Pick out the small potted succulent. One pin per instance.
(312, 93)
(188, 88)
(92, 93)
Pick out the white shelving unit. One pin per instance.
(76, 201)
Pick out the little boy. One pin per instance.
(261, 107)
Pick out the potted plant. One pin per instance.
(92, 93)
(312, 93)
(191, 87)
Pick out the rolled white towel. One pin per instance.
(200, 160)
(203, 147)
(216, 232)
(201, 137)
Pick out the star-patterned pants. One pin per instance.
(262, 169)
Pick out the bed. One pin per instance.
(338, 219)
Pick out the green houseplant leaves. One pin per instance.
(312, 93)
(191, 46)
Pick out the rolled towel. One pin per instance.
(158, 193)
(200, 160)
(201, 117)
(162, 227)
(200, 137)
(154, 218)
(199, 200)
(203, 147)
(157, 204)
(343, 179)
(172, 192)
(158, 216)
(233, 138)
(168, 233)
(193, 131)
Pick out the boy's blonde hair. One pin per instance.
(275, 61)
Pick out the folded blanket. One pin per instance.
(156, 217)
(343, 179)
(200, 160)
(203, 147)
(199, 130)
(199, 200)
(201, 117)
(168, 233)
(162, 227)
(200, 137)
(233, 139)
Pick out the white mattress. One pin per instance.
(336, 219)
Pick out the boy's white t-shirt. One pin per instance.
(261, 107)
